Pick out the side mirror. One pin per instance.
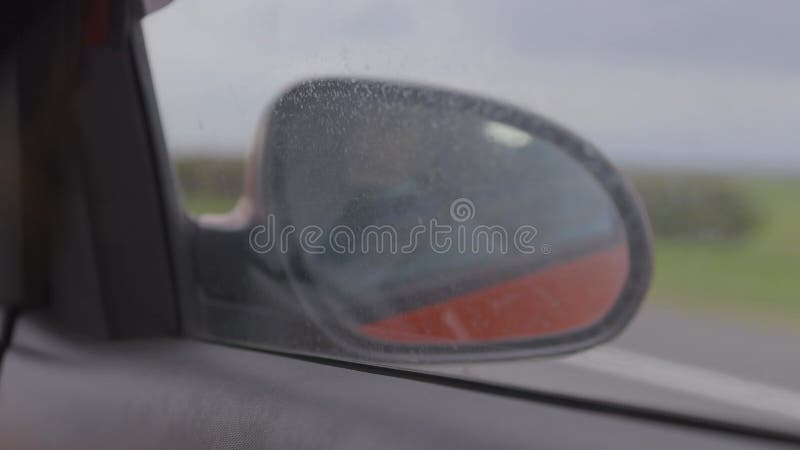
(414, 224)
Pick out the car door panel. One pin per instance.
(60, 391)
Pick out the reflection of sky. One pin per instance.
(702, 84)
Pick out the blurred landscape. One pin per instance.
(724, 244)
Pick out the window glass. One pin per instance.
(696, 101)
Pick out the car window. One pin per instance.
(695, 101)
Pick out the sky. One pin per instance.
(695, 84)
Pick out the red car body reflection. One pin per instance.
(559, 298)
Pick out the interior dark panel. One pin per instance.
(172, 394)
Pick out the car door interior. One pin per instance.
(62, 391)
(95, 356)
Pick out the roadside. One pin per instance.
(754, 278)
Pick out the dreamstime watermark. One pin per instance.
(440, 238)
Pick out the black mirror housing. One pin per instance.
(349, 172)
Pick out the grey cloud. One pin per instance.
(695, 83)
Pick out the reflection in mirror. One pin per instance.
(421, 218)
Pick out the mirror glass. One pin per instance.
(416, 217)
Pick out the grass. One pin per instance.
(757, 277)
(206, 203)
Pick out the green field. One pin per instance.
(757, 277)
(208, 203)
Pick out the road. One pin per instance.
(753, 351)
(668, 359)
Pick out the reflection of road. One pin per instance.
(679, 361)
